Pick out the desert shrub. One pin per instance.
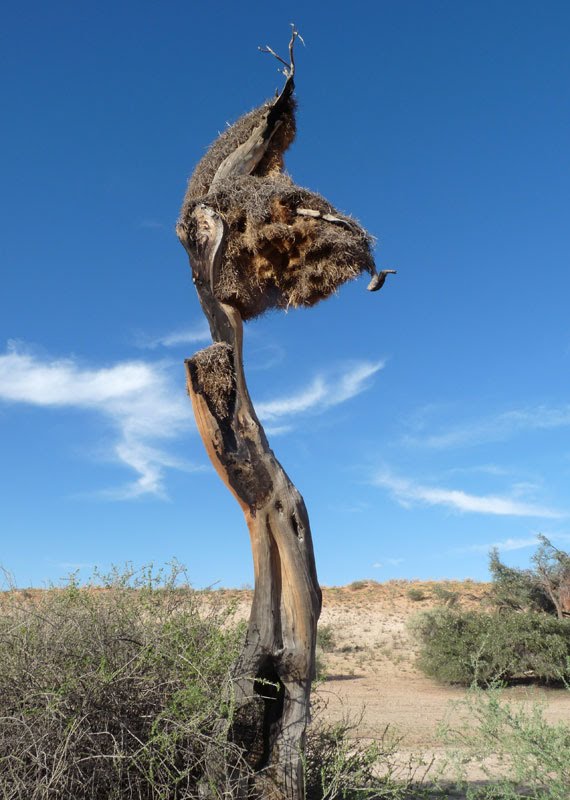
(466, 646)
(356, 585)
(123, 692)
(416, 595)
(114, 692)
(341, 766)
(446, 596)
(521, 754)
(325, 638)
(325, 644)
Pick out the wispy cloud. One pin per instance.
(138, 399)
(261, 355)
(505, 545)
(408, 493)
(135, 397)
(496, 428)
(387, 562)
(195, 335)
(511, 543)
(323, 392)
(278, 430)
(483, 469)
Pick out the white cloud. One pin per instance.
(136, 397)
(387, 562)
(298, 403)
(408, 493)
(143, 406)
(483, 469)
(505, 545)
(322, 393)
(196, 335)
(498, 428)
(278, 430)
(261, 355)
(512, 543)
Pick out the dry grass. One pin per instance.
(216, 377)
(236, 135)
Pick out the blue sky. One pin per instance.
(422, 424)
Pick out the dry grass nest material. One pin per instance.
(214, 377)
(232, 138)
(274, 257)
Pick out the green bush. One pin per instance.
(123, 692)
(467, 646)
(416, 595)
(355, 585)
(446, 596)
(113, 692)
(325, 638)
(339, 765)
(521, 754)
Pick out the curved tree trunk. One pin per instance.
(278, 659)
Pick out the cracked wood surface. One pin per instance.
(280, 640)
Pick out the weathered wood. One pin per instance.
(280, 640)
(278, 659)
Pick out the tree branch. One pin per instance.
(289, 70)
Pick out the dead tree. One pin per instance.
(552, 574)
(256, 241)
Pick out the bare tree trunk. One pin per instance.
(271, 257)
(278, 659)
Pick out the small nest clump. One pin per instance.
(213, 376)
(276, 255)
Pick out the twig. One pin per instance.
(289, 70)
(311, 212)
(378, 280)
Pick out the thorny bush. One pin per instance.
(122, 690)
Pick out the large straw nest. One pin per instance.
(273, 256)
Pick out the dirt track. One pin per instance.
(371, 668)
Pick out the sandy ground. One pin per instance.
(371, 670)
(371, 674)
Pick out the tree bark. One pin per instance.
(278, 659)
